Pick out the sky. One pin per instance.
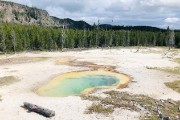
(158, 13)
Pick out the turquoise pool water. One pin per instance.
(77, 82)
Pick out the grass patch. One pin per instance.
(154, 117)
(177, 60)
(20, 60)
(98, 108)
(1, 53)
(91, 98)
(136, 103)
(147, 67)
(154, 51)
(8, 80)
(175, 85)
(164, 51)
(175, 70)
(175, 52)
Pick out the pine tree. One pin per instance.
(85, 38)
(128, 38)
(154, 40)
(3, 40)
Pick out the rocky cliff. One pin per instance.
(21, 14)
(17, 13)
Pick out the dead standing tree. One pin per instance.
(170, 42)
(111, 37)
(13, 38)
(97, 34)
(84, 45)
(63, 36)
(171, 39)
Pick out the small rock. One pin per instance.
(179, 108)
(161, 104)
(141, 105)
(162, 101)
(178, 117)
(160, 115)
(166, 118)
(171, 101)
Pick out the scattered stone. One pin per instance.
(171, 101)
(141, 105)
(162, 101)
(179, 108)
(166, 118)
(160, 114)
(178, 117)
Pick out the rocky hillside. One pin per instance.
(16, 13)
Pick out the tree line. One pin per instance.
(16, 37)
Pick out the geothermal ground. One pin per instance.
(22, 73)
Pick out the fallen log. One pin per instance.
(38, 109)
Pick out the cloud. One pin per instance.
(124, 12)
(172, 20)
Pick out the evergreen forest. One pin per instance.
(16, 37)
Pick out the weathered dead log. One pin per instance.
(40, 110)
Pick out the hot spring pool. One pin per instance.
(79, 82)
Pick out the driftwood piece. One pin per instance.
(40, 110)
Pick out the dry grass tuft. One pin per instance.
(175, 85)
(175, 70)
(20, 60)
(98, 108)
(147, 106)
(177, 60)
(8, 80)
